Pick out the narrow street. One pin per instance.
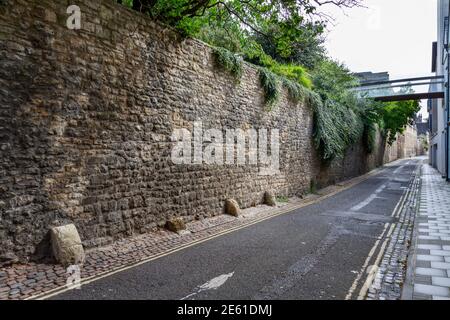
(317, 252)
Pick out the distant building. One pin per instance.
(375, 77)
(422, 126)
(372, 76)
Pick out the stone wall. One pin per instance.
(406, 145)
(86, 120)
(411, 142)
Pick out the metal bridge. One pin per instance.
(403, 89)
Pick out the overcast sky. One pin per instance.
(388, 35)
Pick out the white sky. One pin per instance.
(388, 35)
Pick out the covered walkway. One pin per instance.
(403, 89)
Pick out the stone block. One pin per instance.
(269, 199)
(7, 259)
(232, 208)
(66, 244)
(175, 225)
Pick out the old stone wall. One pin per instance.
(406, 145)
(411, 142)
(86, 121)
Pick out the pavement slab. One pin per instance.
(433, 217)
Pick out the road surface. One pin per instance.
(316, 252)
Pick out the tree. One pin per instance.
(397, 115)
(289, 27)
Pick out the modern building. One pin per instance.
(438, 108)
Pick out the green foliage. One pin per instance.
(313, 186)
(339, 119)
(396, 116)
(223, 33)
(292, 72)
(335, 128)
(229, 61)
(332, 80)
(343, 118)
(295, 90)
(128, 3)
(307, 50)
(271, 86)
(369, 136)
(282, 199)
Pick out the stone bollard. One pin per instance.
(175, 225)
(269, 199)
(232, 208)
(66, 244)
(8, 259)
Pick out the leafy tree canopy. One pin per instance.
(288, 30)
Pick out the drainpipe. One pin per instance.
(447, 115)
(447, 119)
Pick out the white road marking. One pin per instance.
(372, 197)
(212, 284)
(399, 168)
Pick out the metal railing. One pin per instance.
(403, 89)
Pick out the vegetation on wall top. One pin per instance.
(284, 38)
(229, 61)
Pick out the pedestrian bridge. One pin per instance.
(403, 89)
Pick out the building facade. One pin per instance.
(437, 108)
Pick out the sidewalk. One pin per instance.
(429, 265)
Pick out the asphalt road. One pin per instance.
(315, 252)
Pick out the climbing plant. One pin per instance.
(271, 85)
(229, 61)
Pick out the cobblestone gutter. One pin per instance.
(391, 273)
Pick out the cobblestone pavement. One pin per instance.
(33, 280)
(391, 273)
(430, 263)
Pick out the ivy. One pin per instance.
(296, 91)
(335, 128)
(369, 136)
(229, 61)
(271, 85)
